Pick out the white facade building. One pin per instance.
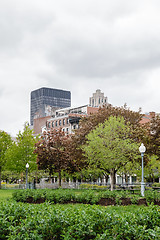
(98, 99)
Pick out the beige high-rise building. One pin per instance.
(98, 99)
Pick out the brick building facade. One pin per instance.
(68, 118)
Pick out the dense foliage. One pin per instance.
(21, 151)
(87, 124)
(52, 152)
(110, 146)
(82, 222)
(5, 142)
(86, 196)
(152, 169)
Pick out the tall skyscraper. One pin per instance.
(44, 100)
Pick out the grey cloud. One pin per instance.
(79, 46)
(103, 61)
(1, 91)
(17, 21)
(105, 50)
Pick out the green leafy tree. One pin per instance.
(5, 142)
(152, 168)
(110, 146)
(132, 167)
(87, 124)
(10, 176)
(22, 151)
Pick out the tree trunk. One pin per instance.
(50, 178)
(153, 178)
(106, 177)
(36, 176)
(60, 179)
(112, 176)
(21, 177)
(126, 178)
(0, 176)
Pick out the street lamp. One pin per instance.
(27, 166)
(142, 150)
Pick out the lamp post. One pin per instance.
(27, 166)
(142, 150)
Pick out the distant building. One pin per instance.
(98, 99)
(44, 101)
(68, 118)
(147, 117)
(38, 123)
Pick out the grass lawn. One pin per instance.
(6, 193)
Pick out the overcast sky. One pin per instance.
(81, 46)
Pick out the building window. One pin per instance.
(67, 130)
(53, 124)
(63, 130)
(63, 121)
(74, 126)
(56, 123)
(49, 125)
(67, 121)
(60, 122)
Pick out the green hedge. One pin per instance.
(93, 186)
(58, 195)
(19, 221)
(80, 196)
(156, 184)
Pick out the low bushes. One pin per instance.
(156, 185)
(82, 222)
(92, 186)
(57, 196)
(84, 196)
(152, 196)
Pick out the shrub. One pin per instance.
(87, 196)
(134, 199)
(92, 186)
(44, 222)
(152, 196)
(156, 184)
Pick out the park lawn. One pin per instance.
(6, 194)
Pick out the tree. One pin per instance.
(152, 143)
(90, 122)
(52, 152)
(132, 167)
(10, 176)
(22, 151)
(110, 146)
(152, 169)
(153, 136)
(5, 142)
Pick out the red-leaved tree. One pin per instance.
(52, 153)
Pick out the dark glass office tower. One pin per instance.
(45, 99)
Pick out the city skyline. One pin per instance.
(78, 46)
